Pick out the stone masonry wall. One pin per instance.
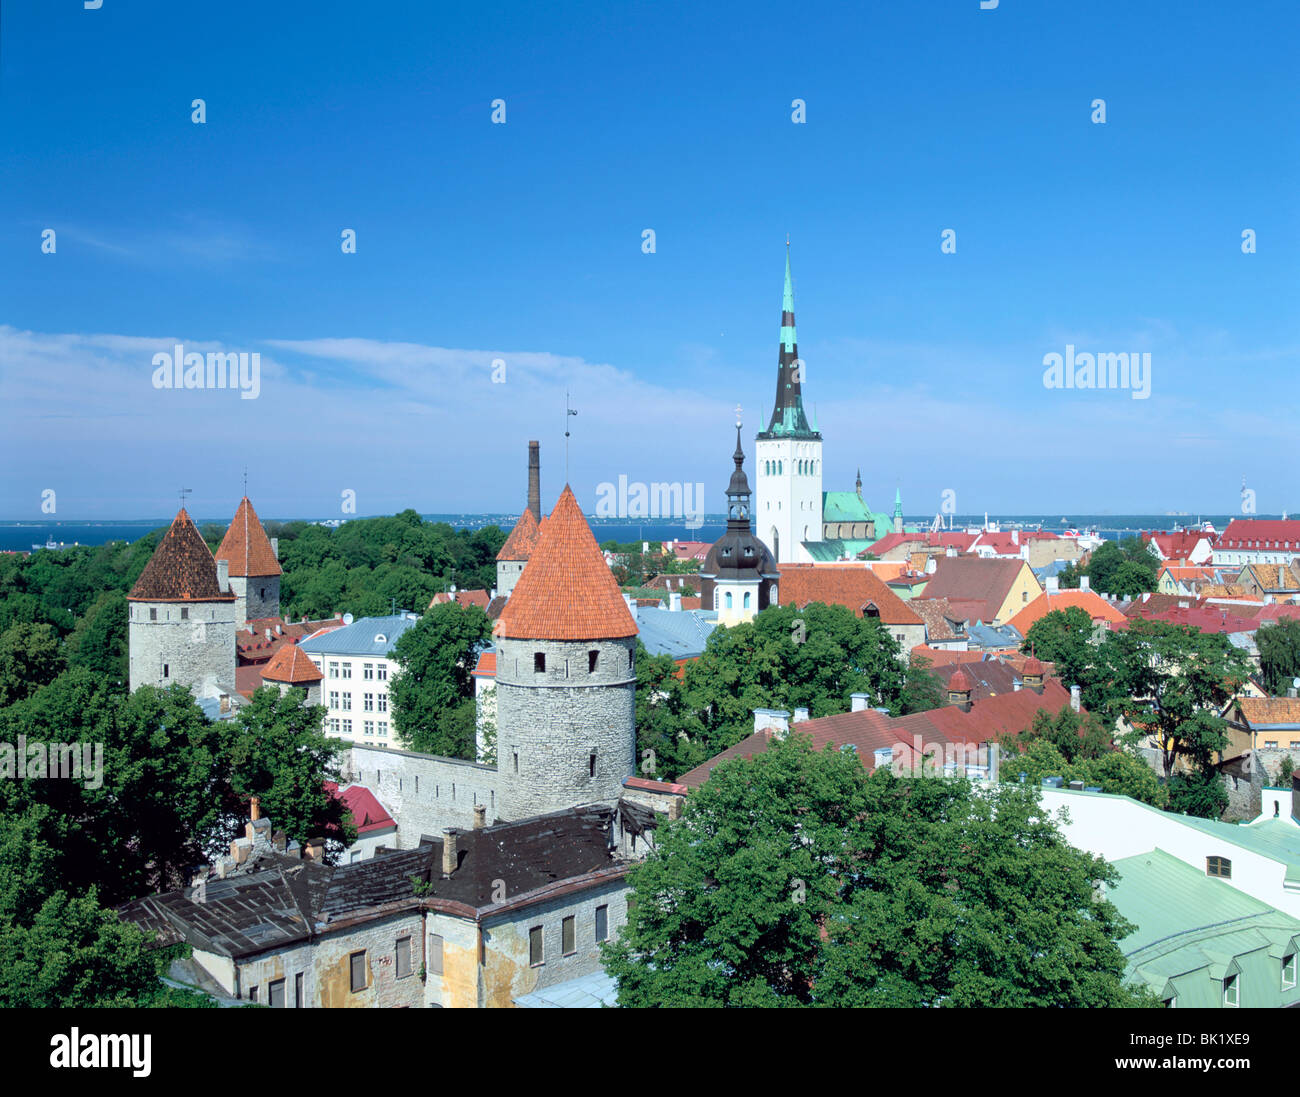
(551, 723)
(422, 792)
(199, 646)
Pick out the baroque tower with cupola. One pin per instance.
(788, 456)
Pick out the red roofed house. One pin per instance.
(375, 827)
(1099, 611)
(951, 734)
(254, 565)
(999, 588)
(292, 668)
(1258, 541)
(1187, 545)
(858, 588)
(479, 598)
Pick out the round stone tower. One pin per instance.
(254, 566)
(566, 676)
(181, 616)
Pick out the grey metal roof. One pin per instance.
(585, 992)
(361, 637)
(681, 633)
(986, 636)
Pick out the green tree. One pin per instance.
(436, 659)
(663, 748)
(793, 878)
(1171, 682)
(1064, 638)
(29, 658)
(786, 658)
(1279, 654)
(277, 751)
(1117, 771)
(922, 690)
(99, 640)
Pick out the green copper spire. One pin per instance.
(788, 417)
(898, 502)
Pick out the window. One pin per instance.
(334, 698)
(403, 957)
(334, 725)
(383, 672)
(368, 728)
(728, 599)
(153, 615)
(166, 671)
(539, 662)
(368, 702)
(593, 659)
(629, 658)
(185, 613)
(357, 965)
(334, 670)
(516, 754)
(1288, 971)
(347, 727)
(591, 765)
(1218, 866)
(535, 946)
(275, 994)
(367, 670)
(435, 954)
(1270, 742)
(297, 991)
(347, 670)
(568, 936)
(1231, 991)
(602, 923)
(347, 702)
(252, 994)
(383, 702)
(746, 604)
(383, 730)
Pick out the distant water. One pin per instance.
(23, 535)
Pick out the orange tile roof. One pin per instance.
(1262, 711)
(181, 569)
(523, 539)
(478, 598)
(1094, 605)
(246, 546)
(291, 665)
(851, 585)
(566, 591)
(487, 665)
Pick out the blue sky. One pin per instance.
(523, 242)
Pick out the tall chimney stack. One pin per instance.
(535, 479)
(450, 860)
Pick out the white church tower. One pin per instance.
(788, 499)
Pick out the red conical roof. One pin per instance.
(182, 568)
(959, 683)
(291, 665)
(566, 591)
(522, 540)
(246, 546)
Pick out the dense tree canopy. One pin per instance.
(793, 878)
(1279, 654)
(1125, 567)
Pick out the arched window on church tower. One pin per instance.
(728, 599)
(746, 602)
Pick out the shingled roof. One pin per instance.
(290, 664)
(182, 568)
(850, 585)
(246, 545)
(523, 539)
(566, 591)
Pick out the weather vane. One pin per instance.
(567, 412)
(184, 492)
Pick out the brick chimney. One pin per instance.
(255, 809)
(480, 816)
(314, 850)
(535, 479)
(450, 860)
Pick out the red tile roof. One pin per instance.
(1175, 546)
(1094, 605)
(368, 814)
(566, 591)
(969, 578)
(478, 598)
(487, 665)
(1261, 534)
(291, 665)
(850, 585)
(246, 545)
(182, 568)
(252, 645)
(522, 540)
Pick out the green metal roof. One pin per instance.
(844, 506)
(836, 548)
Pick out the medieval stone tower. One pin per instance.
(523, 538)
(181, 616)
(788, 457)
(566, 676)
(254, 566)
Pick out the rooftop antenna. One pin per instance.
(567, 412)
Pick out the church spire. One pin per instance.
(788, 417)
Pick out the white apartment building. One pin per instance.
(357, 666)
